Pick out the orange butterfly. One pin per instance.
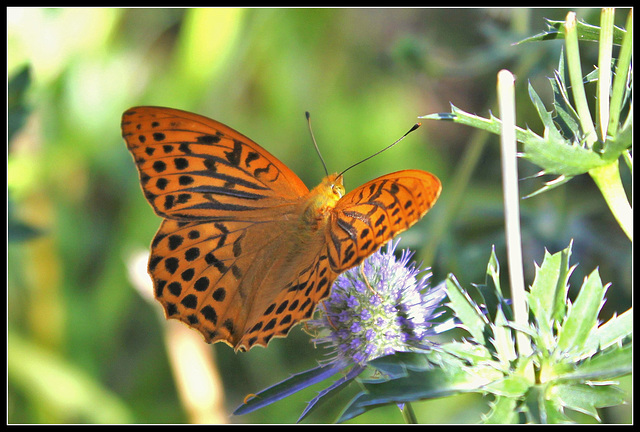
(245, 250)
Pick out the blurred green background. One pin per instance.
(86, 346)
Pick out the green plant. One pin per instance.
(538, 354)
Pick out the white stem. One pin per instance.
(506, 101)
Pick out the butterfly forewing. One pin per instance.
(372, 214)
(227, 204)
(192, 167)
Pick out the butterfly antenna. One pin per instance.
(306, 113)
(415, 126)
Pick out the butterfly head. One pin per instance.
(329, 191)
(336, 186)
(321, 201)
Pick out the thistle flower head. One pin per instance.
(377, 308)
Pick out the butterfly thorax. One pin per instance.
(319, 203)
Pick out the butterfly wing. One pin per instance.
(301, 279)
(242, 282)
(361, 222)
(192, 167)
(228, 206)
(372, 214)
(226, 279)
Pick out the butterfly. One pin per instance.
(245, 251)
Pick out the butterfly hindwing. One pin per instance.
(296, 302)
(372, 214)
(214, 276)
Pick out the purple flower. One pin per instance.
(382, 301)
(377, 308)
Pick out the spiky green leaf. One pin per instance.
(503, 411)
(582, 316)
(548, 293)
(465, 309)
(586, 398)
(586, 32)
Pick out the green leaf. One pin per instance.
(587, 398)
(552, 153)
(503, 340)
(491, 293)
(548, 293)
(465, 309)
(550, 131)
(612, 332)
(552, 184)
(492, 124)
(558, 156)
(618, 144)
(503, 411)
(566, 116)
(470, 353)
(286, 388)
(586, 32)
(429, 384)
(326, 394)
(513, 386)
(397, 365)
(582, 317)
(561, 158)
(606, 365)
(540, 410)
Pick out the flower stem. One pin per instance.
(607, 178)
(409, 414)
(506, 101)
(575, 77)
(604, 69)
(620, 79)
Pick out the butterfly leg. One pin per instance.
(328, 317)
(366, 281)
(326, 314)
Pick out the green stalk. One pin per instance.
(620, 79)
(408, 414)
(628, 160)
(575, 77)
(605, 54)
(607, 178)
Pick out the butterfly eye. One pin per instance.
(337, 190)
